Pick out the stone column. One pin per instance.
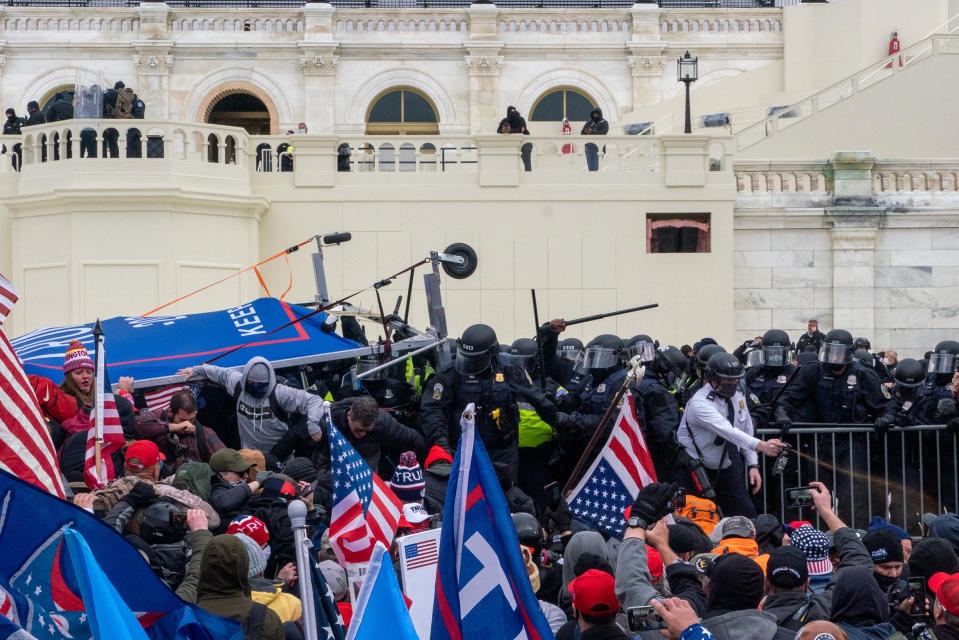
(855, 220)
(318, 63)
(153, 64)
(484, 64)
(646, 60)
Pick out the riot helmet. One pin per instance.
(860, 344)
(368, 362)
(723, 373)
(908, 377)
(476, 349)
(522, 354)
(642, 346)
(163, 523)
(836, 351)
(775, 351)
(570, 348)
(862, 357)
(944, 357)
(603, 352)
(703, 355)
(671, 365)
(529, 531)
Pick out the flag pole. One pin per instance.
(304, 566)
(98, 402)
(635, 374)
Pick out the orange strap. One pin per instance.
(289, 286)
(285, 252)
(259, 277)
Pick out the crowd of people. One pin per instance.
(87, 102)
(204, 482)
(596, 125)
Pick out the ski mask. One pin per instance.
(257, 381)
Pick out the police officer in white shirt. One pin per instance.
(717, 430)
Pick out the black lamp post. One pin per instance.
(688, 70)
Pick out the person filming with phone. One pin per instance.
(717, 431)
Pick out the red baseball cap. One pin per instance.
(594, 593)
(253, 527)
(146, 452)
(437, 453)
(946, 588)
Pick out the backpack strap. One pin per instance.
(281, 414)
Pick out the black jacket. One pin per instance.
(598, 127)
(228, 500)
(516, 122)
(35, 118)
(793, 610)
(272, 511)
(806, 340)
(11, 126)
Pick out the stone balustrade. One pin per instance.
(724, 21)
(93, 146)
(888, 177)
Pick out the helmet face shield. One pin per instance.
(645, 350)
(754, 358)
(517, 360)
(363, 365)
(904, 392)
(470, 364)
(600, 358)
(942, 363)
(835, 353)
(570, 353)
(775, 355)
(726, 386)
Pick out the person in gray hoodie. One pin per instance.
(263, 408)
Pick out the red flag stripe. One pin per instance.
(629, 464)
(8, 297)
(21, 416)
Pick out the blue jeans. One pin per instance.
(592, 156)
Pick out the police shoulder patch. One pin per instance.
(885, 392)
(601, 388)
(781, 380)
(851, 380)
(437, 390)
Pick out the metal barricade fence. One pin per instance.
(899, 474)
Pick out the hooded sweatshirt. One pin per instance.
(224, 588)
(598, 126)
(581, 543)
(259, 427)
(859, 606)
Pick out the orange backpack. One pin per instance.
(701, 511)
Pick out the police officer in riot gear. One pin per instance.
(657, 410)
(699, 370)
(908, 391)
(717, 430)
(599, 374)
(642, 346)
(836, 389)
(764, 380)
(943, 363)
(478, 376)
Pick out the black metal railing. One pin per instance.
(359, 4)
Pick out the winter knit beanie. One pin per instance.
(77, 358)
(407, 482)
(258, 556)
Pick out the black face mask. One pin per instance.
(596, 117)
(885, 582)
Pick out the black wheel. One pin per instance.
(460, 271)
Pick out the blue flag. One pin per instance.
(380, 610)
(40, 593)
(328, 618)
(109, 615)
(482, 587)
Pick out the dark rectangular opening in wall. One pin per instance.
(677, 233)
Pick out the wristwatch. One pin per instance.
(636, 522)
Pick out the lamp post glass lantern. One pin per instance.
(687, 69)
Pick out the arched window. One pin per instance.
(556, 104)
(400, 112)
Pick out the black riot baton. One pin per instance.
(539, 344)
(600, 316)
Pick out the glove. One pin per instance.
(782, 418)
(142, 495)
(560, 517)
(903, 419)
(883, 422)
(652, 503)
(686, 461)
(953, 425)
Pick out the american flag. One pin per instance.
(158, 400)
(113, 439)
(8, 297)
(421, 554)
(613, 481)
(26, 449)
(365, 510)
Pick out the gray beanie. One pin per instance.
(258, 556)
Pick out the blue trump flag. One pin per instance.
(380, 610)
(482, 587)
(109, 615)
(40, 592)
